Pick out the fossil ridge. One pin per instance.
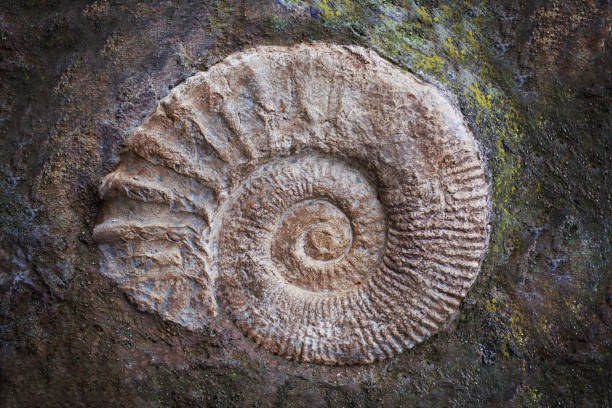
(333, 205)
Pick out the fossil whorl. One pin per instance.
(334, 205)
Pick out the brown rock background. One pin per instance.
(533, 80)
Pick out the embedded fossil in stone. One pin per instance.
(334, 206)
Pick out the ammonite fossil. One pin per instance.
(334, 206)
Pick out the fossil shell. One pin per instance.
(334, 206)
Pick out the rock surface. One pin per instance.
(532, 80)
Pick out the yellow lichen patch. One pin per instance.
(530, 396)
(498, 117)
(430, 64)
(483, 99)
(471, 39)
(454, 52)
(512, 120)
(447, 11)
(575, 307)
(509, 326)
(339, 12)
(424, 16)
(326, 10)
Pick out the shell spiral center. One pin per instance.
(330, 236)
(314, 222)
(324, 231)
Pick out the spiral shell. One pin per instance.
(334, 206)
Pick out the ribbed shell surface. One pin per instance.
(334, 206)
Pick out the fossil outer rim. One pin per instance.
(194, 213)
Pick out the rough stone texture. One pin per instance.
(533, 80)
(340, 200)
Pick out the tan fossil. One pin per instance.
(334, 206)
